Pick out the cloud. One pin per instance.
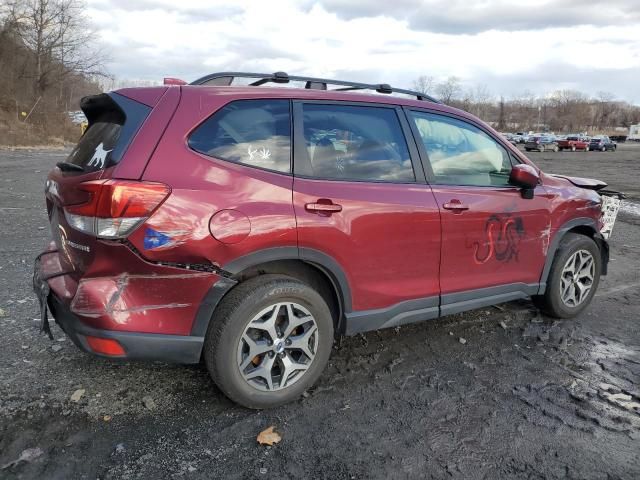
(469, 17)
(362, 41)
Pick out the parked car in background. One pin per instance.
(520, 137)
(602, 143)
(511, 138)
(573, 143)
(541, 143)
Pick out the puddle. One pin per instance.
(630, 208)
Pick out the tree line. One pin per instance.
(49, 60)
(558, 111)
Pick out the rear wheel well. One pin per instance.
(314, 276)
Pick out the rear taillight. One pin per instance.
(115, 207)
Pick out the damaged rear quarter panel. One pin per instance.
(123, 292)
(206, 186)
(146, 303)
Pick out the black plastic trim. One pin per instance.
(335, 271)
(482, 297)
(409, 311)
(417, 310)
(555, 243)
(217, 291)
(319, 259)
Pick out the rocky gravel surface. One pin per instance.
(500, 392)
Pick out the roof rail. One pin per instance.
(226, 78)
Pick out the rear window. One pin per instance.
(251, 132)
(113, 121)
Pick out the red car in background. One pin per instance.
(249, 226)
(573, 143)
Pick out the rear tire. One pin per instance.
(247, 363)
(573, 278)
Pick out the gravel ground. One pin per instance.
(500, 392)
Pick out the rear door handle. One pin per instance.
(323, 206)
(456, 205)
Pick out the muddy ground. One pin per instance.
(495, 393)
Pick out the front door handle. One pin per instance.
(323, 206)
(455, 205)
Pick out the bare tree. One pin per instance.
(559, 111)
(502, 123)
(449, 90)
(57, 33)
(47, 55)
(605, 110)
(424, 84)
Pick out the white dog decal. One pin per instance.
(99, 157)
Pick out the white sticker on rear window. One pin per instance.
(99, 157)
(262, 153)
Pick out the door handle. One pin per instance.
(323, 206)
(455, 205)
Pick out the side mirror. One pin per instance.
(525, 177)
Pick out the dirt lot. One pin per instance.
(495, 393)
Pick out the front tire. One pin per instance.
(269, 341)
(573, 278)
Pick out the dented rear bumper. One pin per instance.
(137, 346)
(150, 312)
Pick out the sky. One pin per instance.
(511, 48)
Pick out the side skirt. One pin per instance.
(422, 309)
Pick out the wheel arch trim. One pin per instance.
(327, 264)
(555, 244)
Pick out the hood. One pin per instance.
(589, 183)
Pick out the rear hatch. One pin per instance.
(113, 121)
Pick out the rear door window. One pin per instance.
(113, 121)
(347, 142)
(250, 132)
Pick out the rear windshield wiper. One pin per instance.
(69, 167)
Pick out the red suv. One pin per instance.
(250, 226)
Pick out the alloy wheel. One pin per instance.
(277, 346)
(577, 278)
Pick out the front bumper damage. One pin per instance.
(611, 202)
